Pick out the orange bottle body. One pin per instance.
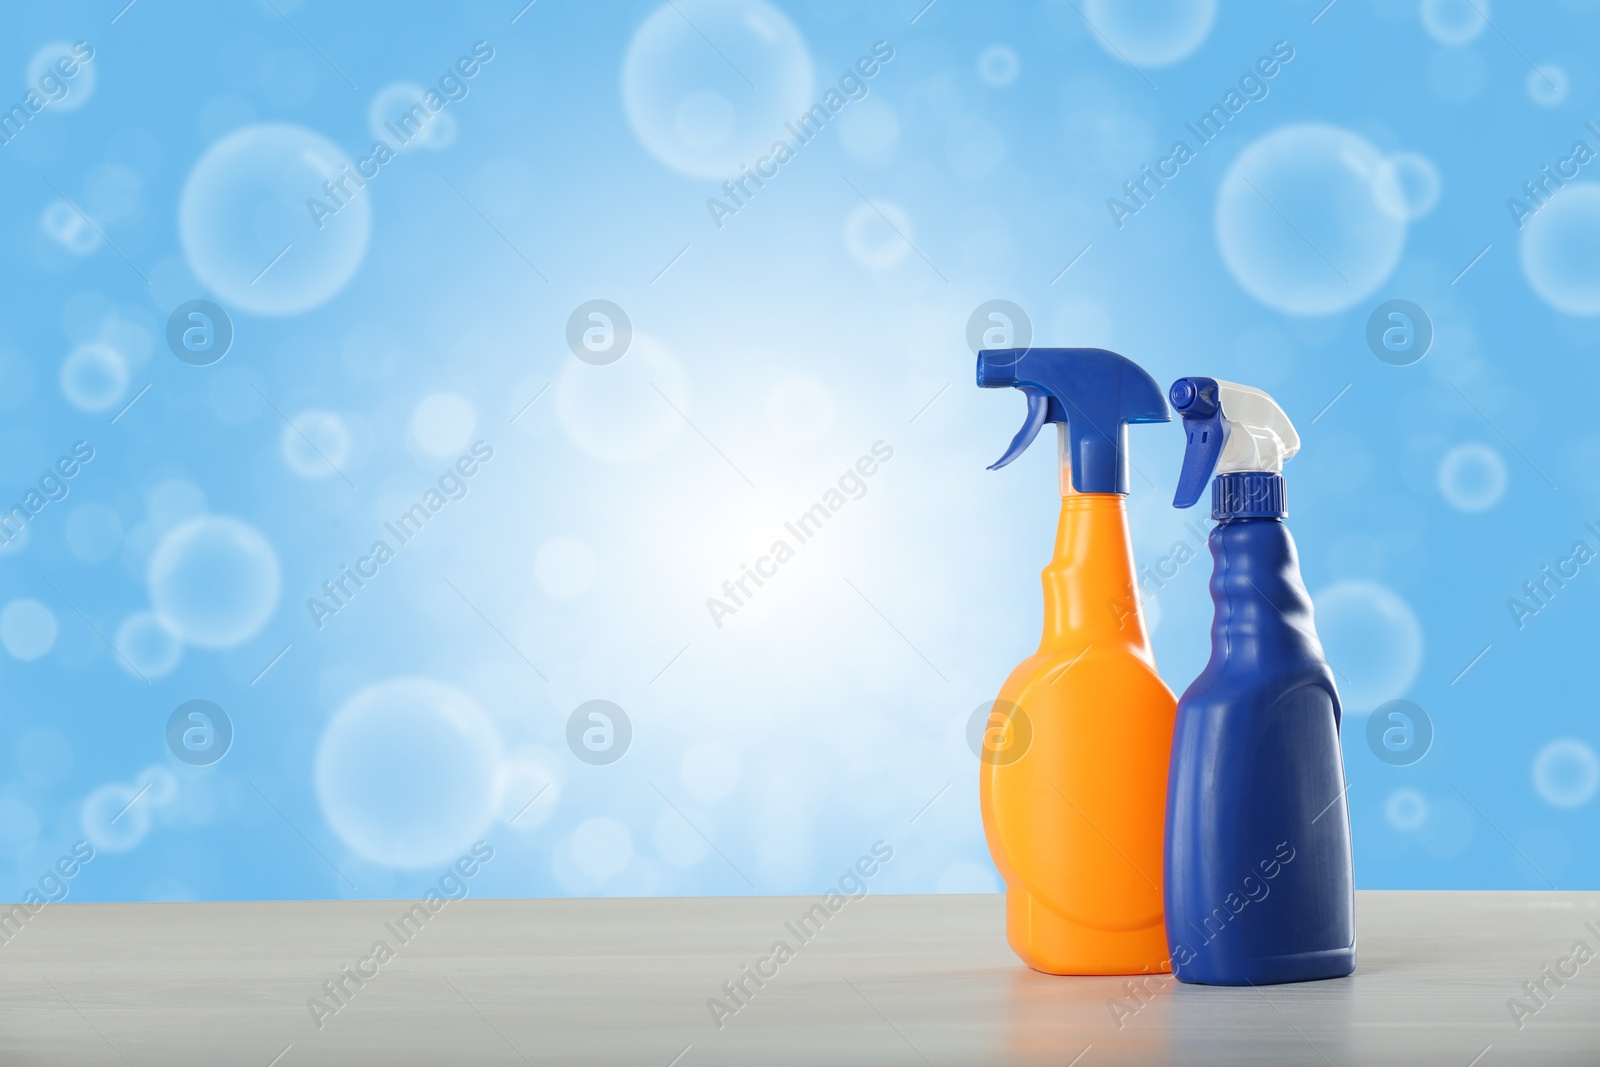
(1074, 772)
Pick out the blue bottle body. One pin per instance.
(1259, 886)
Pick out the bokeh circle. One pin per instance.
(79, 87)
(407, 772)
(1561, 250)
(316, 444)
(94, 377)
(146, 648)
(1472, 477)
(1373, 641)
(1548, 85)
(707, 85)
(1150, 33)
(1566, 773)
(400, 118)
(214, 581)
(1407, 185)
(624, 412)
(28, 629)
(878, 235)
(1406, 809)
(248, 231)
(1455, 22)
(1300, 223)
(998, 66)
(113, 818)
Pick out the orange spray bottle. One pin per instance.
(1074, 771)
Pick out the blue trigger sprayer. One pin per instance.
(1259, 886)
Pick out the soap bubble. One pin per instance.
(998, 66)
(878, 235)
(406, 773)
(28, 629)
(1566, 773)
(114, 818)
(317, 445)
(1407, 186)
(214, 581)
(1406, 809)
(623, 412)
(94, 532)
(1472, 477)
(150, 650)
(67, 227)
(565, 568)
(1561, 250)
(94, 377)
(1454, 22)
(601, 847)
(1548, 85)
(710, 770)
(1150, 33)
(79, 87)
(708, 84)
(677, 842)
(442, 424)
(244, 206)
(402, 104)
(1299, 222)
(1373, 641)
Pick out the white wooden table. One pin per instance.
(889, 979)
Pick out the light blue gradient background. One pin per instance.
(844, 729)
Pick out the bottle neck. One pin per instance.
(1261, 602)
(1090, 598)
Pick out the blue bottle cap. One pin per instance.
(1248, 495)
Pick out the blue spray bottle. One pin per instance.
(1259, 887)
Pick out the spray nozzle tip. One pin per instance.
(1194, 397)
